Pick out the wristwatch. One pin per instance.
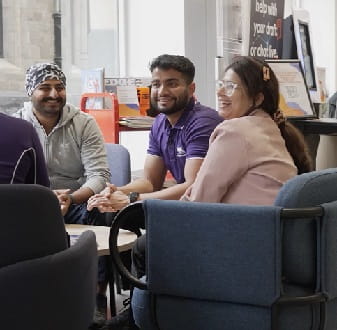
(133, 196)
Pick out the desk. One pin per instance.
(312, 129)
(322, 126)
(125, 241)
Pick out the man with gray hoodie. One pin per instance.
(71, 140)
(73, 147)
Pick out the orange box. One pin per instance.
(107, 119)
(143, 94)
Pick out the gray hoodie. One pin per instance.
(74, 150)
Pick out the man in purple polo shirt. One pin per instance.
(178, 143)
(178, 138)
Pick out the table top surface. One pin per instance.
(125, 237)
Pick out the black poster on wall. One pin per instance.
(266, 33)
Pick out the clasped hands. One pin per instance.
(64, 199)
(108, 200)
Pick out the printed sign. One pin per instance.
(265, 37)
(132, 94)
(294, 95)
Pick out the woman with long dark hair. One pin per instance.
(255, 150)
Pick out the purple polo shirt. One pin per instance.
(188, 138)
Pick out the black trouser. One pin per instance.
(133, 223)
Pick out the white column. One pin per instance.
(201, 46)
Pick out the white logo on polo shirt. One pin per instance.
(181, 152)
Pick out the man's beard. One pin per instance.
(179, 104)
(44, 109)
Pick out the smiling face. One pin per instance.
(170, 92)
(49, 98)
(237, 104)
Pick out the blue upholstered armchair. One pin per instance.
(120, 168)
(119, 164)
(235, 267)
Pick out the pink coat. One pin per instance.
(247, 163)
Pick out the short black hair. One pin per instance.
(177, 62)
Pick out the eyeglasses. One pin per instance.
(228, 86)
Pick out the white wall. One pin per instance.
(201, 46)
(103, 36)
(324, 39)
(324, 36)
(152, 28)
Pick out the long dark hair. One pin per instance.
(258, 77)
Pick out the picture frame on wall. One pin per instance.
(295, 99)
(303, 37)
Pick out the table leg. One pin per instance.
(111, 281)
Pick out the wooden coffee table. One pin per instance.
(125, 237)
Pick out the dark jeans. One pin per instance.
(140, 299)
(78, 214)
(138, 257)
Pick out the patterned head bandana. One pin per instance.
(38, 73)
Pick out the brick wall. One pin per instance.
(28, 38)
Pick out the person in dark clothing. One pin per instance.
(21, 155)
